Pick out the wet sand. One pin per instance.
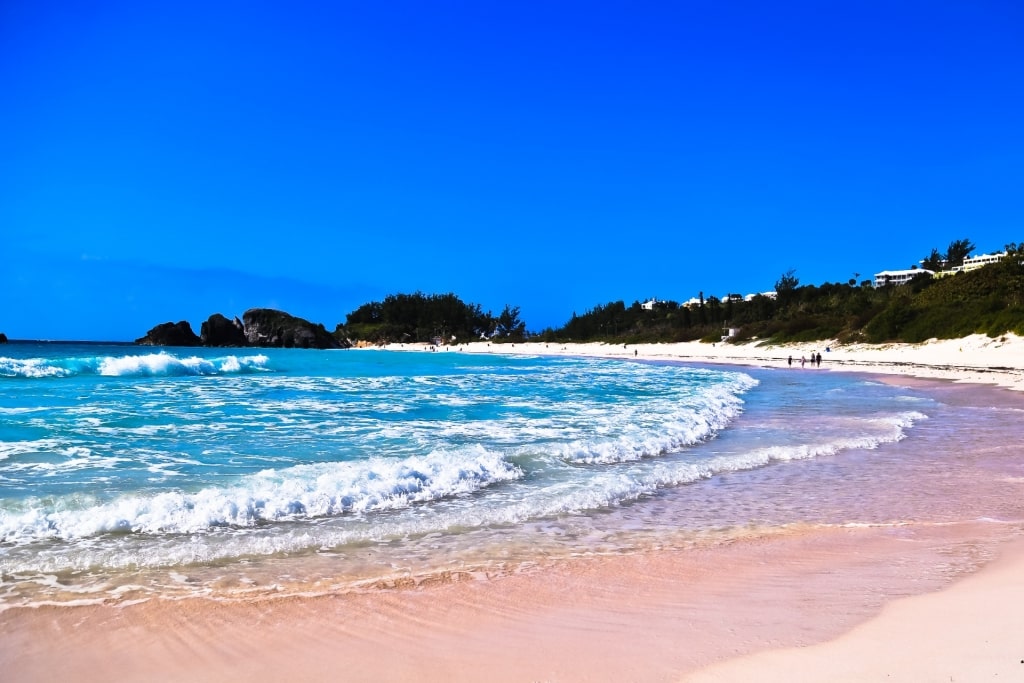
(651, 617)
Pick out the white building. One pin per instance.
(693, 302)
(976, 262)
(899, 277)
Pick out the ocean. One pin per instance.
(128, 473)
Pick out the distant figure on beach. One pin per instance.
(790, 361)
(634, 353)
(818, 360)
(803, 360)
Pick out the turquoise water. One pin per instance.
(118, 464)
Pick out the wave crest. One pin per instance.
(300, 492)
(687, 426)
(149, 365)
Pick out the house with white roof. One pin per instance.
(649, 305)
(899, 277)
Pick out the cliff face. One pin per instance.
(170, 334)
(3, 338)
(219, 331)
(267, 327)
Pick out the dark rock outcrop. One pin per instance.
(3, 338)
(261, 327)
(219, 331)
(170, 334)
(267, 327)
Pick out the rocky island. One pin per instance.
(259, 327)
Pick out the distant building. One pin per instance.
(899, 277)
(649, 305)
(767, 295)
(693, 303)
(976, 262)
(972, 263)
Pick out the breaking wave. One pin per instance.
(149, 365)
(296, 493)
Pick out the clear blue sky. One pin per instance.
(165, 161)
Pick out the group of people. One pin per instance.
(815, 360)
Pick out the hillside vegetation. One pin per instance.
(989, 300)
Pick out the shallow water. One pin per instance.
(128, 473)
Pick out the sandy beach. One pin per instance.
(805, 605)
(977, 359)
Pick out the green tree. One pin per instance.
(786, 286)
(934, 261)
(958, 250)
(509, 325)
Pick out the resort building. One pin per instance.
(899, 277)
(976, 262)
(972, 263)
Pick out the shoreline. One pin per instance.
(807, 600)
(657, 616)
(968, 631)
(976, 359)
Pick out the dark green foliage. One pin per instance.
(786, 286)
(509, 326)
(934, 261)
(956, 253)
(989, 300)
(420, 318)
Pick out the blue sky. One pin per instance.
(166, 161)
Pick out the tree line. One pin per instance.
(429, 318)
(987, 300)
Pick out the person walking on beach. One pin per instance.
(790, 361)
(803, 360)
(818, 360)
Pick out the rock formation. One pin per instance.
(3, 338)
(267, 327)
(170, 334)
(219, 331)
(258, 327)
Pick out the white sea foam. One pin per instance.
(153, 364)
(656, 433)
(32, 368)
(167, 364)
(880, 431)
(301, 492)
(13, 448)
